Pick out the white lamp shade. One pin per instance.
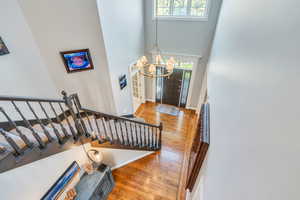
(95, 155)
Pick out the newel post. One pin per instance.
(69, 104)
(160, 133)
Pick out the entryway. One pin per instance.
(174, 90)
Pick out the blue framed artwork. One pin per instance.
(59, 186)
(3, 48)
(123, 81)
(77, 60)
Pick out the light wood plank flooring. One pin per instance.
(157, 176)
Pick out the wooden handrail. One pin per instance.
(31, 99)
(200, 146)
(75, 96)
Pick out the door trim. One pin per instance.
(193, 58)
(132, 72)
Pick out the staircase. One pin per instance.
(49, 126)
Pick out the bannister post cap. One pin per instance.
(64, 93)
(160, 125)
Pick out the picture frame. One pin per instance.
(77, 60)
(123, 81)
(65, 179)
(3, 48)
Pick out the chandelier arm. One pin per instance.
(155, 76)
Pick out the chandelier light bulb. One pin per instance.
(152, 69)
(170, 67)
(172, 60)
(144, 60)
(158, 59)
(139, 64)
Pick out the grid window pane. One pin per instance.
(163, 7)
(198, 8)
(180, 8)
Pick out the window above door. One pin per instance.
(181, 9)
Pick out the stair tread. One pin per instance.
(21, 144)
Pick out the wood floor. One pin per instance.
(157, 176)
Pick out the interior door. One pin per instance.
(172, 88)
(137, 90)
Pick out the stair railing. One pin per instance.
(127, 131)
(42, 127)
(39, 109)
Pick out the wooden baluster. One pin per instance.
(75, 137)
(145, 136)
(122, 131)
(28, 125)
(157, 138)
(110, 129)
(129, 142)
(51, 123)
(140, 134)
(136, 136)
(13, 124)
(152, 137)
(11, 142)
(149, 142)
(131, 133)
(136, 139)
(127, 135)
(98, 129)
(80, 119)
(89, 121)
(115, 125)
(104, 127)
(59, 121)
(50, 139)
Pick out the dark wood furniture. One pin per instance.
(95, 186)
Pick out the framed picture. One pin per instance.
(59, 186)
(77, 60)
(3, 48)
(123, 81)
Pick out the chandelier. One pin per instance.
(149, 69)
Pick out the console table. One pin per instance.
(95, 186)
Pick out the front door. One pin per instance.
(172, 88)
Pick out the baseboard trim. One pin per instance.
(191, 108)
(151, 100)
(132, 160)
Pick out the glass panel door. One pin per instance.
(159, 85)
(186, 79)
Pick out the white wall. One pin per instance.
(67, 25)
(253, 83)
(123, 30)
(184, 37)
(23, 71)
(32, 181)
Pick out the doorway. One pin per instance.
(174, 90)
(137, 88)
